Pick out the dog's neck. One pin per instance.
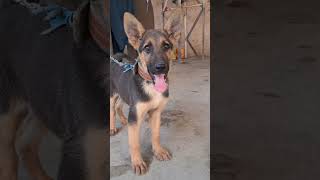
(143, 72)
(144, 75)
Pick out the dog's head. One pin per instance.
(154, 47)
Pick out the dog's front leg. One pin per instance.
(160, 153)
(113, 129)
(135, 119)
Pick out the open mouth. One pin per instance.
(160, 82)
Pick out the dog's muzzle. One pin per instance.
(160, 77)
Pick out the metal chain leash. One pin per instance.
(127, 67)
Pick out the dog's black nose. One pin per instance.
(160, 66)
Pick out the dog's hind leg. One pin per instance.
(28, 139)
(8, 157)
(9, 123)
(113, 129)
(119, 108)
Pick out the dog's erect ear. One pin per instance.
(133, 29)
(173, 26)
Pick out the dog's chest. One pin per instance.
(157, 99)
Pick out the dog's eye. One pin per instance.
(166, 46)
(147, 49)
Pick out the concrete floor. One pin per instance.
(185, 130)
(266, 95)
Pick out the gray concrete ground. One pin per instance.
(185, 130)
(266, 95)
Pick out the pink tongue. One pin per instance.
(160, 83)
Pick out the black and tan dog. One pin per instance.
(145, 89)
(47, 84)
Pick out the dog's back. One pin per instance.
(49, 67)
(64, 86)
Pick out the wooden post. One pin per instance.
(203, 26)
(179, 42)
(185, 33)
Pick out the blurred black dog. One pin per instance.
(46, 83)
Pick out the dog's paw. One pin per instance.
(162, 154)
(139, 167)
(114, 131)
(124, 122)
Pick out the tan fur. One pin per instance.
(20, 134)
(116, 105)
(155, 122)
(113, 129)
(28, 139)
(158, 100)
(143, 62)
(119, 107)
(9, 123)
(138, 165)
(19, 127)
(156, 104)
(155, 108)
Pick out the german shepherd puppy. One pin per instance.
(145, 89)
(48, 84)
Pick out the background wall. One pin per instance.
(196, 36)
